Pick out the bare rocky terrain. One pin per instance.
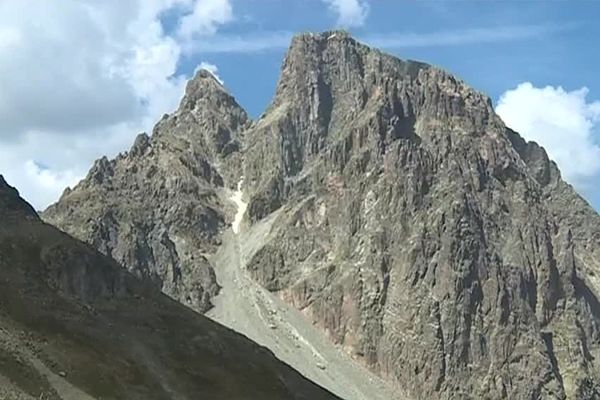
(156, 210)
(75, 325)
(387, 221)
(247, 307)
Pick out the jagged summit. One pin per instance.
(5, 188)
(403, 200)
(203, 73)
(208, 117)
(337, 56)
(204, 85)
(141, 143)
(340, 36)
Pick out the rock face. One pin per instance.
(421, 233)
(418, 231)
(76, 325)
(155, 209)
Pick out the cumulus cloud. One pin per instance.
(205, 18)
(564, 122)
(350, 13)
(80, 79)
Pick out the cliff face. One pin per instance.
(420, 232)
(411, 225)
(75, 325)
(156, 209)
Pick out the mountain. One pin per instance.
(164, 210)
(392, 208)
(155, 209)
(76, 325)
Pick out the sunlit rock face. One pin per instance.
(155, 209)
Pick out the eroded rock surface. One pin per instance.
(155, 209)
(419, 232)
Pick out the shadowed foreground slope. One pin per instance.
(75, 325)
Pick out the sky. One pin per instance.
(79, 79)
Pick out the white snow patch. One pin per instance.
(237, 198)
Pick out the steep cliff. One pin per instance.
(419, 232)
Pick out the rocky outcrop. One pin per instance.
(156, 209)
(411, 225)
(76, 325)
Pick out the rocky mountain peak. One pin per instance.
(205, 85)
(541, 167)
(308, 42)
(414, 202)
(305, 43)
(208, 119)
(337, 98)
(5, 188)
(140, 145)
(336, 64)
(203, 73)
(172, 214)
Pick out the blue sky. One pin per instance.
(79, 79)
(556, 46)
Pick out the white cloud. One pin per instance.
(565, 123)
(205, 17)
(80, 79)
(350, 13)
(212, 68)
(44, 181)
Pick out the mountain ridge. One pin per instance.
(168, 226)
(410, 225)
